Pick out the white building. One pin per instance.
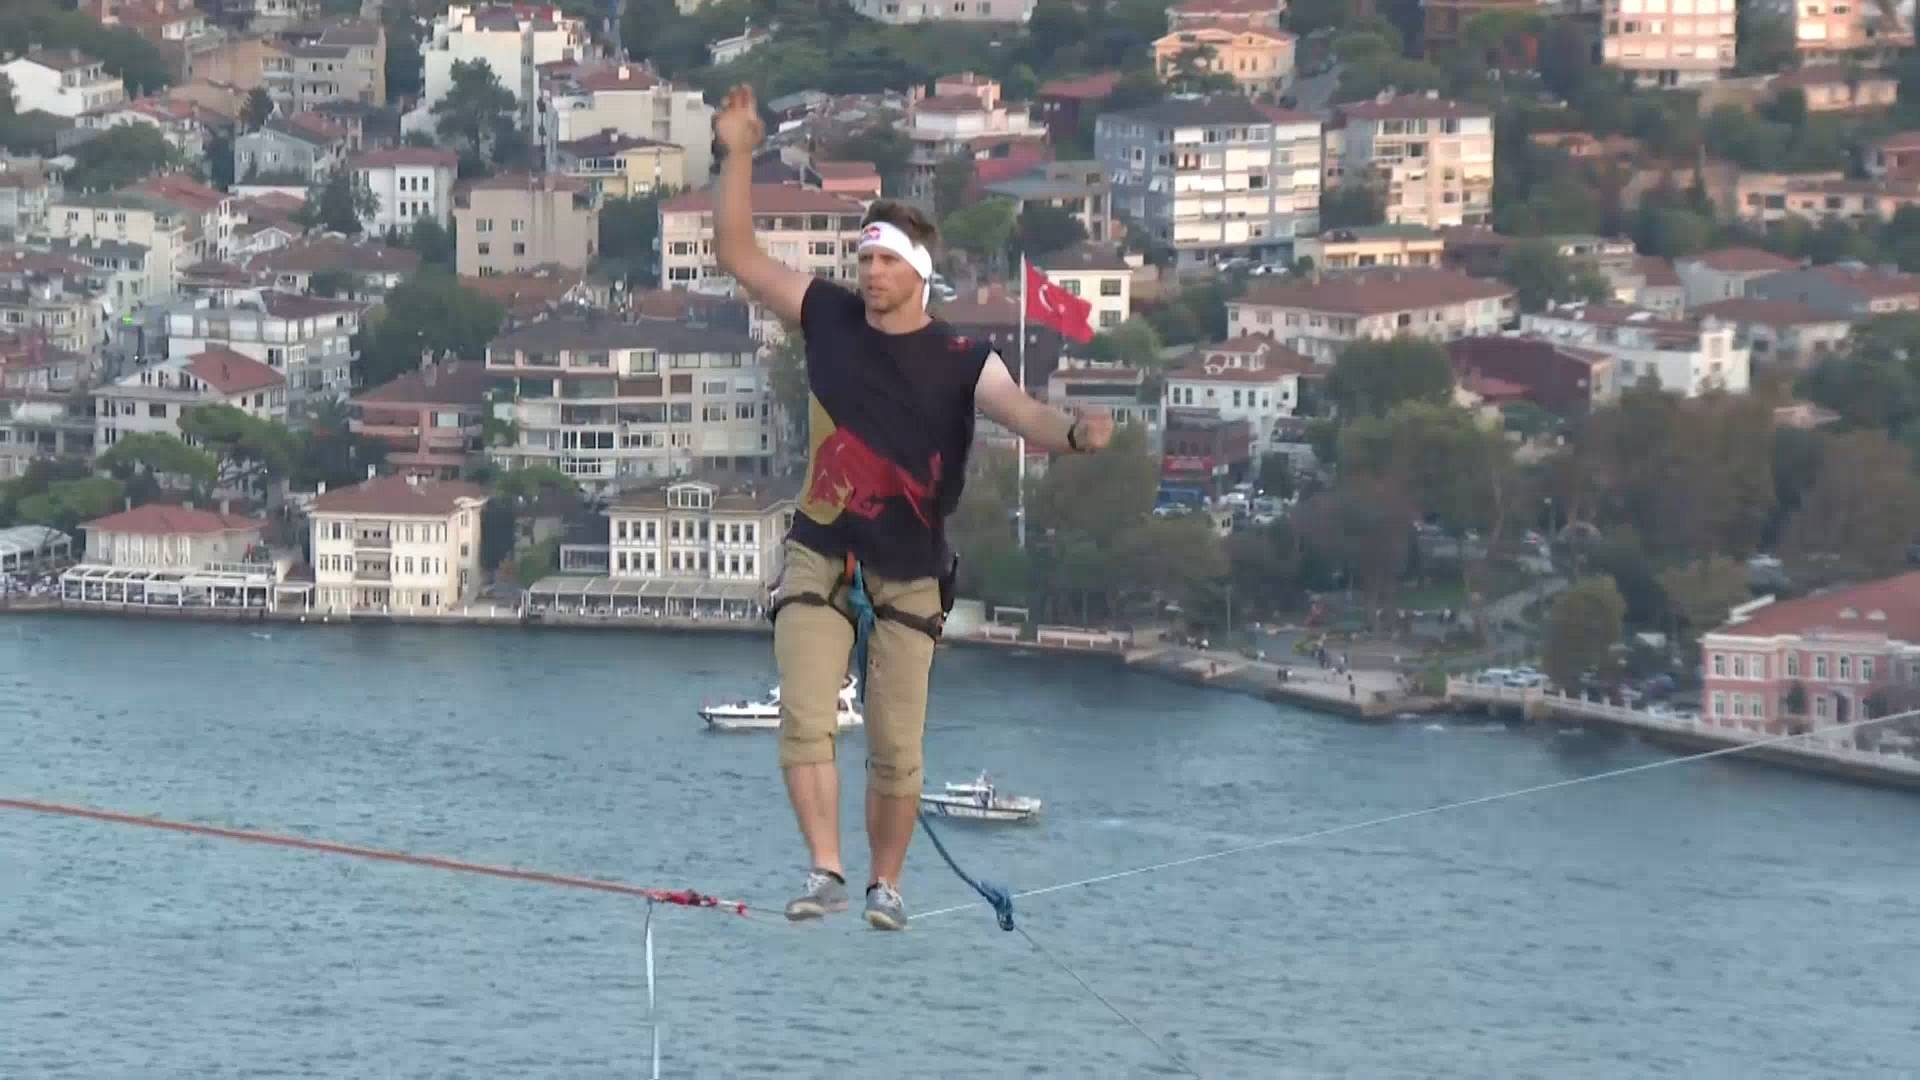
(1319, 318)
(629, 100)
(1431, 158)
(410, 184)
(1669, 43)
(1249, 378)
(153, 399)
(1689, 356)
(811, 231)
(1097, 274)
(907, 12)
(965, 117)
(305, 338)
(693, 530)
(513, 41)
(397, 545)
(602, 400)
(64, 82)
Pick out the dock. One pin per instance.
(1833, 755)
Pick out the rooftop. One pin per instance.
(401, 497)
(159, 519)
(233, 373)
(768, 199)
(609, 333)
(1084, 257)
(1890, 606)
(1377, 292)
(456, 383)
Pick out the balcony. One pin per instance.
(372, 541)
(372, 572)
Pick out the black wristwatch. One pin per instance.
(1072, 443)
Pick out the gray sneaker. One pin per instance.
(885, 909)
(824, 893)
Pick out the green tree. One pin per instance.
(951, 178)
(1862, 507)
(120, 156)
(1371, 377)
(475, 113)
(1351, 205)
(155, 457)
(886, 147)
(258, 110)
(429, 312)
(1134, 343)
(1045, 230)
(1764, 41)
(434, 243)
(1097, 495)
(787, 374)
(1701, 593)
(1540, 276)
(66, 504)
(1364, 528)
(984, 229)
(343, 201)
(252, 453)
(1583, 627)
(629, 229)
(327, 450)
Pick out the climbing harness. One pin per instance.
(934, 626)
(864, 614)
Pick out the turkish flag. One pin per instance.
(1050, 305)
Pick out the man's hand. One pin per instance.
(1093, 430)
(736, 125)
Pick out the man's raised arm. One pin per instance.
(1004, 402)
(738, 130)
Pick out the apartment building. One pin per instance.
(1078, 187)
(513, 41)
(579, 103)
(1250, 377)
(807, 230)
(1838, 30)
(1123, 391)
(1318, 318)
(340, 62)
(909, 12)
(964, 117)
(1431, 158)
(1850, 289)
(1364, 247)
(615, 166)
(1259, 61)
(1764, 198)
(64, 82)
(1668, 43)
(51, 296)
(1688, 356)
(1784, 335)
(298, 149)
(1723, 274)
(432, 420)
(602, 399)
(1243, 14)
(1214, 178)
(396, 545)
(152, 400)
(1815, 662)
(697, 531)
(307, 339)
(513, 223)
(1097, 274)
(410, 184)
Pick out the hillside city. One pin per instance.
(1568, 343)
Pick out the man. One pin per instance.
(892, 394)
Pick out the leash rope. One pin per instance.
(861, 604)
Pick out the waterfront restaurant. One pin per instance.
(25, 548)
(245, 586)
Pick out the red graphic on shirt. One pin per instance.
(848, 473)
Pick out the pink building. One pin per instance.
(1843, 650)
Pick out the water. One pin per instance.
(1712, 920)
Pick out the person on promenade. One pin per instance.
(891, 398)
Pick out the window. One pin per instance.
(1720, 664)
(1866, 669)
(1793, 665)
(1110, 287)
(1719, 703)
(1820, 666)
(1739, 667)
(1846, 668)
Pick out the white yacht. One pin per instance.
(980, 802)
(764, 714)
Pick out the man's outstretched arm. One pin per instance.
(1008, 405)
(781, 288)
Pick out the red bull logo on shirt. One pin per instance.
(846, 474)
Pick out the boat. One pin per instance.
(764, 714)
(978, 801)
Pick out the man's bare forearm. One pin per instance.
(733, 241)
(1044, 426)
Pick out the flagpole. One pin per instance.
(1020, 441)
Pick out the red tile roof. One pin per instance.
(768, 199)
(400, 497)
(233, 373)
(1890, 606)
(845, 170)
(447, 384)
(1377, 292)
(1409, 107)
(951, 103)
(1767, 312)
(422, 156)
(158, 519)
(1095, 87)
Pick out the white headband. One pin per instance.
(890, 237)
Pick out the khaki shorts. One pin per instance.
(813, 647)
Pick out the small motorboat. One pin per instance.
(764, 714)
(979, 801)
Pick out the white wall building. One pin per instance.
(1689, 357)
(397, 545)
(410, 184)
(153, 399)
(514, 42)
(630, 101)
(64, 82)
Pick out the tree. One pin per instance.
(219, 161)
(629, 229)
(787, 373)
(1371, 377)
(885, 146)
(474, 112)
(120, 156)
(66, 503)
(1044, 230)
(1134, 343)
(1540, 276)
(343, 202)
(251, 452)
(1764, 41)
(434, 242)
(430, 312)
(951, 179)
(1364, 527)
(1863, 506)
(984, 229)
(155, 456)
(1351, 205)
(258, 110)
(1583, 627)
(1702, 592)
(1179, 559)
(1097, 495)
(327, 451)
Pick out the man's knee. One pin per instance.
(901, 658)
(898, 777)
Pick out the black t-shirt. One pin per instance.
(889, 423)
